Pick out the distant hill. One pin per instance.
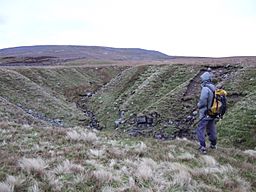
(70, 52)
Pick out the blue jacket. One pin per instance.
(206, 96)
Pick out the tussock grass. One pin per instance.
(67, 162)
(5, 187)
(36, 165)
(184, 156)
(68, 167)
(237, 184)
(89, 137)
(14, 181)
(140, 148)
(209, 161)
(35, 187)
(115, 152)
(102, 176)
(98, 153)
(145, 172)
(213, 170)
(251, 153)
(11, 183)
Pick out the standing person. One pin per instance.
(206, 122)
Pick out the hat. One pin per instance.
(206, 76)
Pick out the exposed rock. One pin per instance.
(57, 121)
(194, 113)
(121, 113)
(118, 122)
(86, 94)
(150, 120)
(189, 118)
(141, 119)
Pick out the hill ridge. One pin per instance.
(65, 52)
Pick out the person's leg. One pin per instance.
(211, 131)
(201, 132)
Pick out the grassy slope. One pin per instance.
(19, 89)
(239, 124)
(171, 104)
(165, 89)
(10, 112)
(47, 91)
(70, 81)
(158, 85)
(74, 159)
(141, 89)
(107, 101)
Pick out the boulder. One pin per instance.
(141, 119)
(150, 120)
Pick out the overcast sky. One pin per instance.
(175, 27)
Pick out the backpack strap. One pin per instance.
(209, 87)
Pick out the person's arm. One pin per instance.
(203, 98)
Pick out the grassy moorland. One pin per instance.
(46, 110)
(76, 159)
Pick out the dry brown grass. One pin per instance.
(36, 165)
(113, 165)
(5, 187)
(251, 153)
(11, 184)
(86, 136)
(68, 167)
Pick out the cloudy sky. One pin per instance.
(176, 27)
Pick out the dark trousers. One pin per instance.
(209, 126)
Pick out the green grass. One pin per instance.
(107, 102)
(48, 91)
(238, 126)
(70, 81)
(20, 90)
(142, 89)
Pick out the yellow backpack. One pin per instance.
(219, 103)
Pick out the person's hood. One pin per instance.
(206, 76)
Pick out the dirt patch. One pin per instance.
(193, 88)
(220, 75)
(28, 61)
